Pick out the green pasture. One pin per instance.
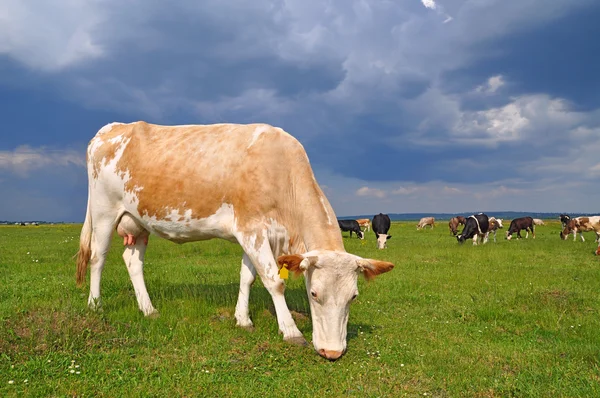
(513, 318)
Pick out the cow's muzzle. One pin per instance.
(331, 355)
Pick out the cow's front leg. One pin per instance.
(247, 278)
(261, 256)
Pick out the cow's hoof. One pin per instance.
(153, 315)
(248, 328)
(298, 340)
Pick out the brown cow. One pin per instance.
(364, 223)
(425, 221)
(250, 184)
(454, 223)
(581, 225)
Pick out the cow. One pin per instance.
(364, 223)
(425, 221)
(250, 184)
(519, 224)
(581, 225)
(352, 226)
(381, 225)
(538, 221)
(454, 223)
(494, 225)
(564, 219)
(476, 227)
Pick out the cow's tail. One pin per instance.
(85, 246)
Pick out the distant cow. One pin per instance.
(426, 221)
(537, 221)
(476, 227)
(564, 219)
(581, 225)
(519, 224)
(494, 225)
(454, 223)
(352, 226)
(381, 226)
(364, 223)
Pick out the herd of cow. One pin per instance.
(477, 227)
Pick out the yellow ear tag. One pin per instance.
(283, 272)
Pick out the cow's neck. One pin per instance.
(317, 227)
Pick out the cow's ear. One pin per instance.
(296, 262)
(371, 268)
(389, 236)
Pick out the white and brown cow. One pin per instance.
(364, 223)
(581, 225)
(425, 221)
(250, 184)
(494, 225)
(538, 221)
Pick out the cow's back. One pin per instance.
(192, 171)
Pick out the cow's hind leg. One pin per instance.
(247, 278)
(135, 241)
(261, 255)
(101, 239)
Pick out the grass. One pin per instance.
(513, 318)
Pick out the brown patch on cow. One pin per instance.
(291, 262)
(377, 267)
(199, 168)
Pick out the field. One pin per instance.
(512, 318)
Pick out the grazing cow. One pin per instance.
(476, 227)
(581, 225)
(364, 223)
(250, 184)
(519, 224)
(494, 225)
(454, 223)
(352, 226)
(564, 219)
(381, 226)
(425, 221)
(538, 221)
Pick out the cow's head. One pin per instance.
(382, 240)
(499, 221)
(331, 283)
(460, 238)
(570, 227)
(360, 234)
(508, 235)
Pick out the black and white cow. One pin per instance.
(352, 226)
(519, 224)
(564, 219)
(476, 227)
(381, 225)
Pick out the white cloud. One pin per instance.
(50, 36)
(492, 85)
(374, 192)
(429, 4)
(24, 159)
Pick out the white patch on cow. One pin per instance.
(326, 212)
(185, 228)
(257, 133)
(381, 241)
(108, 128)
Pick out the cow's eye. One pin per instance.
(314, 294)
(355, 296)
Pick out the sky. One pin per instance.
(403, 106)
